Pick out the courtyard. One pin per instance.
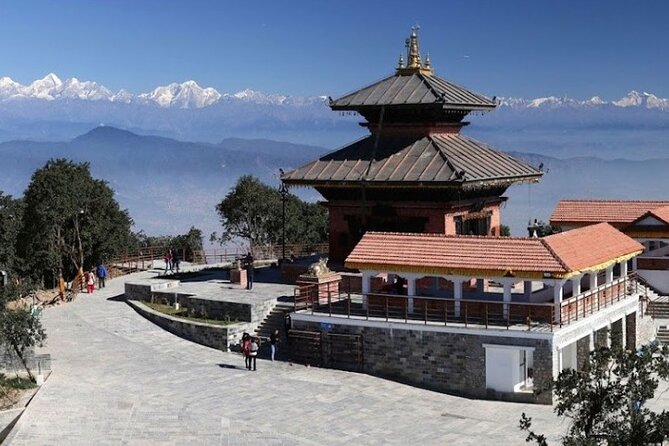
(119, 379)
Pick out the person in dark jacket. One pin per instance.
(101, 272)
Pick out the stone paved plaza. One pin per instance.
(118, 379)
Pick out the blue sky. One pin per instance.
(526, 48)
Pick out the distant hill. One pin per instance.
(166, 184)
(169, 185)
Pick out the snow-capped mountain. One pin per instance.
(631, 99)
(184, 95)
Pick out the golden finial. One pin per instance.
(414, 62)
(400, 63)
(427, 62)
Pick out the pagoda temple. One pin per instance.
(415, 172)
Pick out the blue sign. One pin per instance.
(325, 326)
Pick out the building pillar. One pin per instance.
(634, 264)
(593, 280)
(623, 332)
(527, 289)
(557, 299)
(366, 287)
(609, 274)
(457, 294)
(591, 338)
(608, 335)
(576, 286)
(507, 284)
(623, 268)
(411, 291)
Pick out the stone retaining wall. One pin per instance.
(445, 362)
(216, 336)
(222, 310)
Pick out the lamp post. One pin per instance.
(283, 190)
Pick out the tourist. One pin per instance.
(253, 352)
(175, 261)
(249, 270)
(246, 346)
(90, 281)
(168, 260)
(101, 272)
(273, 341)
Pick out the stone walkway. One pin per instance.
(118, 379)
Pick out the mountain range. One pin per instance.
(51, 109)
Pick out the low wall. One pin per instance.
(160, 291)
(210, 335)
(10, 363)
(441, 361)
(658, 279)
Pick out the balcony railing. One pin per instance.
(445, 311)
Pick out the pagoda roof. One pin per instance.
(414, 89)
(446, 160)
(561, 255)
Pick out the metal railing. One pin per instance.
(341, 302)
(592, 301)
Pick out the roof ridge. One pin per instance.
(458, 236)
(448, 161)
(554, 254)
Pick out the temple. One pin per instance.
(415, 172)
(431, 293)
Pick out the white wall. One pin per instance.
(569, 357)
(658, 279)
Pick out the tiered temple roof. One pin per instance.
(415, 118)
(439, 159)
(560, 255)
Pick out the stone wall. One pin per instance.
(216, 336)
(10, 363)
(582, 352)
(445, 362)
(208, 308)
(645, 329)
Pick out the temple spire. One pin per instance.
(414, 61)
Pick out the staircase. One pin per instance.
(663, 334)
(658, 309)
(275, 320)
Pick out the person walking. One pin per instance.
(249, 270)
(90, 281)
(175, 261)
(168, 260)
(246, 350)
(253, 352)
(274, 341)
(102, 275)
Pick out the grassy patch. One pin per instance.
(185, 313)
(12, 389)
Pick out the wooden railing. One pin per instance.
(434, 310)
(222, 255)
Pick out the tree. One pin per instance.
(70, 221)
(21, 330)
(606, 400)
(188, 243)
(11, 211)
(253, 211)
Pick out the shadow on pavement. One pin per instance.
(119, 298)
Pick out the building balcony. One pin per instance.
(487, 310)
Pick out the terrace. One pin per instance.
(486, 282)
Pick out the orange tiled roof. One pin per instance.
(450, 254)
(596, 211)
(583, 248)
(661, 213)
